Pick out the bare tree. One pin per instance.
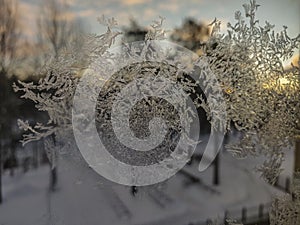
(57, 30)
(9, 34)
(56, 26)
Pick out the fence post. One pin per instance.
(287, 185)
(244, 214)
(276, 181)
(209, 222)
(225, 217)
(260, 211)
(297, 154)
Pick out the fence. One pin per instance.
(257, 215)
(249, 215)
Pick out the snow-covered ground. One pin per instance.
(85, 198)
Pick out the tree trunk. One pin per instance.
(1, 174)
(53, 173)
(216, 175)
(53, 179)
(216, 178)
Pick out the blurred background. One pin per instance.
(31, 30)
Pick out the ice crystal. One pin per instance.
(55, 90)
(262, 96)
(286, 209)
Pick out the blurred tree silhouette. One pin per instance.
(134, 32)
(192, 35)
(9, 34)
(57, 27)
(11, 107)
(57, 30)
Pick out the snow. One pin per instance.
(24, 198)
(84, 197)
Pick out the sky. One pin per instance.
(278, 12)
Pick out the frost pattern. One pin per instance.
(144, 84)
(262, 96)
(55, 90)
(286, 209)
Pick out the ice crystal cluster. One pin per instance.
(286, 209)
(54, 93)
(262, 96)
(55, 90)
(146, 99)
